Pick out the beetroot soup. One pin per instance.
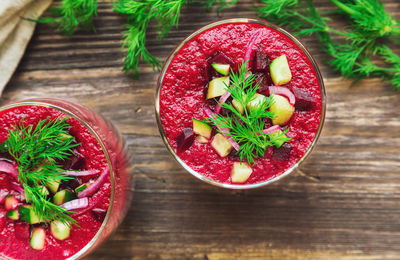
(75, 186)
(240, 103)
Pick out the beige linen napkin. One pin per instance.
(16, 32)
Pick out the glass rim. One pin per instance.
(44, 102)
(190, 37)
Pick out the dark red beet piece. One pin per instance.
(282, 153)
(260, 62)
(304, 101)
(267, 122)
(99, 214)
(265, 81)
(184, 140)
(220, 58)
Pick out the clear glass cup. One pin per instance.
(172, 56)
(118, 159)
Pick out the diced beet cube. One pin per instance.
(260, 62)
(282, 153)
(267, 122)
(99, 214)
(304, 101)
(219, 58)
(265, 81)
(184, 140)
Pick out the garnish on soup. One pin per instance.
(35, 156)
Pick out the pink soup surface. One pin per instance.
(15, 235)
(182, 97)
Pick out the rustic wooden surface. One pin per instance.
(343, 203)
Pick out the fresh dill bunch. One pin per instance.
(352, 55)
(139, 14)
(369, 16)
(220, 4)
(247, 129)
(72, 15)
(36, 151)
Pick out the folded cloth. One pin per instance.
(15, 32)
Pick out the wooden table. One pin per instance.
(343, 202)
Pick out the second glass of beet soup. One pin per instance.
(97, 192)
(232, 143)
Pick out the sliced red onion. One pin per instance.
(89, 191)
(249, 47)
(93, 202)
(76, 204)
(81, 173)
(221, 101)
(17, 186)
(284, 92)
(271, 129)
(9, 168)
(3, 194)
(223, 130)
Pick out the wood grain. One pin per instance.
(343, 202)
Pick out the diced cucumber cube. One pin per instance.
(280, 71)
(221, 145)
(81, 187)
(257, 100)
(28, 214)
(217, 87)
(221, 68)
(275, 134)
(59, 230)
(240, 172)
(201, 128)
(38, 238)
(13, 214)
(63, 196)
(44, 191)
(282, 110)
(53, 186)
(236, 104)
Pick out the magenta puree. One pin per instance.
(182, 97)
(15, 235)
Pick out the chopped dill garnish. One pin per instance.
(247, 128)
(36, 151)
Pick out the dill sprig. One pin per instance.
(36, 151)
(247, 128)
(139, 14)
(72, 15)
(361, 52)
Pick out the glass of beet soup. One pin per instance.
(65, 181)
(240, 103)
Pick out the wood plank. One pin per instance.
(343, 202)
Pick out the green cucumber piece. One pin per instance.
(81, 187)
(280, 71)
(65, 137)
(275, 134)
(201, 128)
(63, 196)
(217, 87)
(28, 214)
(38, 238)
(45, 192)
(13, 214)
(59, 230)
(221, 68)
(53, 185)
